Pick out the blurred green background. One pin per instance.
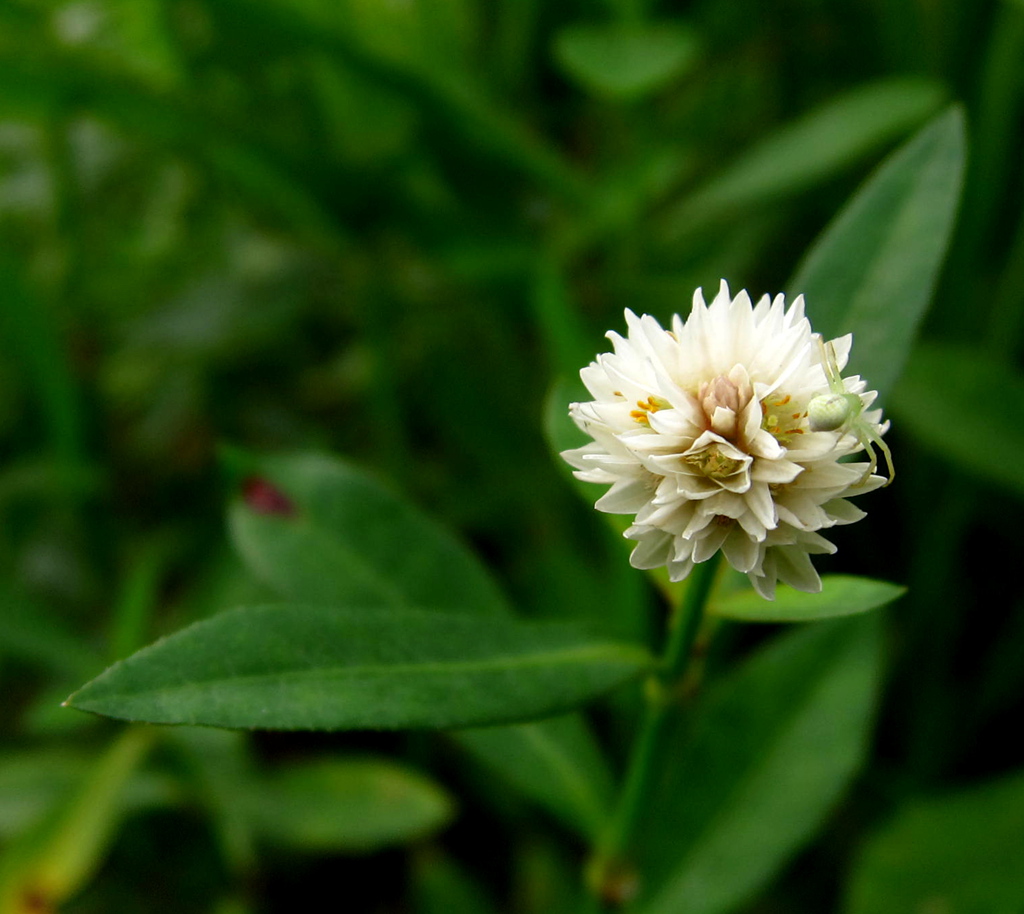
(385, 228)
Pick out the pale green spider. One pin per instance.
(841, 410)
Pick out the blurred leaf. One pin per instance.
(841, 595)
(33, 781)
(561, 432)
(343, 538)
(138, 598)
(546, 877)
(234, 905)
(219, 771)
(874, 269)
(569, 347)
(348, 805)
(626, 60)
(997, 106)
(967, 408)
(57, 858)
(29, 328)
(417, 33)
(53, 81)
(30, 632)
(129, 33)
(366, 123)
(448, 96)
(440, 886)
(809, 150)
(526, 755)
(296, 667)
(770, 752)
(958, 854)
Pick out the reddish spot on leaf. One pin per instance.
(265, 498)
(34, 901)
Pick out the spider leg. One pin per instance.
(834, 375)
(826, 363)
(868, 439)
(866, 442)
(877, 439)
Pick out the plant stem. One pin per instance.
(611, 874)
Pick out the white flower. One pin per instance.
(703, 433)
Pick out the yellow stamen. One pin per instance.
(651, 405)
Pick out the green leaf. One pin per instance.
(946, 384)
(294, 667)
(347, 540)
(841, 595)
(39, 89)
(31, 782)
(34, 781)
(130, 34)
(340, 546)
(546, 877)
(873, 271)
(446, 96)
(218, 769)
(555, 761)
(809, 150)
(419, 34)
(768, 756)
(348, 805)
(29, 631)
(31, 332)
(958, 853)
(56, 858)
(441, 886)
(626, 61)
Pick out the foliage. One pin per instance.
(293, 294)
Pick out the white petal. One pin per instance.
(626, 496)
(652, 551)
(740, 551)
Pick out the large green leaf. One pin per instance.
(554, 761)
(348, 539)
(767, 758)
(295, 667)
(809, 150)
(339, 537)
(947, 386)
(874, 269)
(348, 805)
(958, 854)
(841, 595)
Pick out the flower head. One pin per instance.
(726, 433)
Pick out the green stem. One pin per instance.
(611, 874)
